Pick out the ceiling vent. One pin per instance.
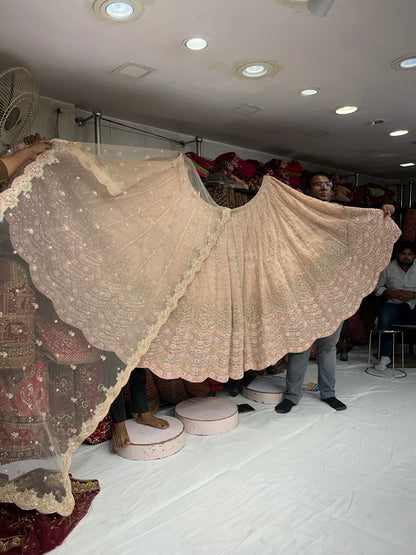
(133, 71)
(247, 109)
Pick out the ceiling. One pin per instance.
(347, 55)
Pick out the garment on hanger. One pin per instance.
(134, 254)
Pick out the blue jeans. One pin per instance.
(326, 357)
(393, 313)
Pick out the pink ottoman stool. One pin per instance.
(207, 416)
(266, 389)
(149, 443)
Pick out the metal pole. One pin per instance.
(401, 194)
(198, 141)
(97, 130)
(410, 192)
(356, 179)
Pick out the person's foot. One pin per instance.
(382, 364)
(334, 403)
(148, 419)
(284, 407)
(120, 436)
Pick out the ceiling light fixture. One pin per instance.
(407, 164)
(404, 62)
(118, 12)
(398, 133)
(255, 69)
(345, 110)
(309, 92)
(195, 43)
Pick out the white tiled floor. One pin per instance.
(311, 482)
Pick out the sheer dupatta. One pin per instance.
(137, 258)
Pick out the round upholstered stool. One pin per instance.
(393, 372)
(265, 389)
(149, 443)
(206, 416)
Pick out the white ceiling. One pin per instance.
(347, 54)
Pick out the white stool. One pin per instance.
(395, 372)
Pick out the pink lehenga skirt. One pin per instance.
(134, 254)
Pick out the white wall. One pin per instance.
(56, 119)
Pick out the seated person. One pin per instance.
(397, 285)
(137, 382)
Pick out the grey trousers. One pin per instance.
(326, 357)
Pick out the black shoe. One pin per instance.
(335, 403)
(284, 407)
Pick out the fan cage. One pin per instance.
(19, 99)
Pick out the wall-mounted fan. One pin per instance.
(19, 99)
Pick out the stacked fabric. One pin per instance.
(278, 168)
(201, 164)
(295, 172)
(260, 170)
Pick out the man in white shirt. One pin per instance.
(397, 284)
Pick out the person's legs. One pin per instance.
(117, 409)
(326, 357)
(120, 435)
(295, 373)
(391, 313)
(297, 364)
(137, 383)
(139, 401)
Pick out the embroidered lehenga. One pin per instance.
(133, 252)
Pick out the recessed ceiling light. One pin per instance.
(344, 110)
(254, 69)
(118, 12)
(399, 133)
(195, 43)
(309, 92)
(405, 62)
(407, 164)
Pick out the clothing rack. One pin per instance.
(98, 118)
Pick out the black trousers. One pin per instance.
(137, 383)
